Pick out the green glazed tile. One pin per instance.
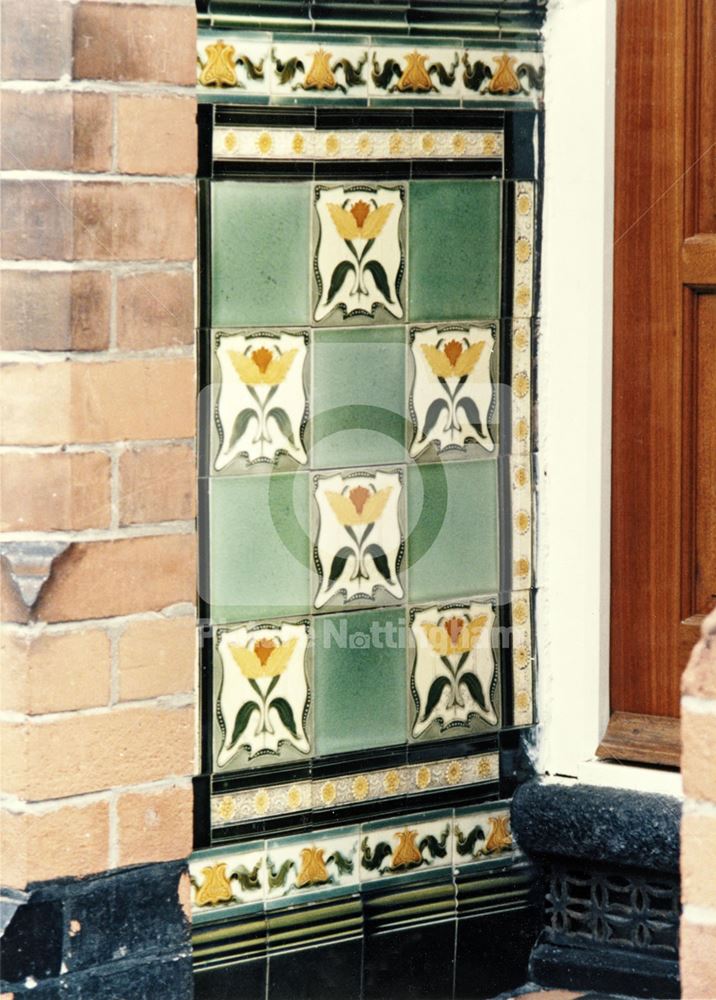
(454, 249)
(453, 523)
(259, 547)
(260, 240)
(358, 397)
(360, 664)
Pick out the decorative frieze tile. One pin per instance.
(232, 63)
(307, 144)
(406, 844)
(282, 870)
(453, 395)
(514, 75)
(522, 660)
(482, 834)
(229, 808)
(261, 406)
(296, 866)
(328, 69)
(228, 877)
(419, 71)
(521, 514)
(523, 301)
(454, 677)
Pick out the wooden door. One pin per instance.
(664, 403)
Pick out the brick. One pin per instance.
(697, 960)
(122, 577)
(97, 751)
(155, 826)
(118, 221)
(97, 220)
(698, 755)
(55, 673)
(55, 131)
(152, 43)
(698, 853)
(92, 132)
(36, 39)
(699, 678)
(157, 484)
(134, 400)
(57, 492)
(157, 658)
(71, 840)
(22, 421)
(36, 220)
(54, 311)
(36, 131)
(156, 135)
(155, 309)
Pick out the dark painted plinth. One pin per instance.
(605, 969)
(461, 938)
(610, 859)
(120, 934)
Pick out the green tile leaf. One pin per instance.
(436, 690)
(242, 719)
(376, 269)
(338, 277)
(240, 424)
(285, 714)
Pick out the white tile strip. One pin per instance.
(523, 305)
(308, 144)
(522, 660)
(255, 803)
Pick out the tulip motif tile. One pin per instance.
(454, 680)
(319, 71)
(228, 877)
(262, 406)
(406, 844)
(358, 259)
(264, 694)
(297, 866)
(482, 834)
(453, 397)
(424, 72)
(359, 543)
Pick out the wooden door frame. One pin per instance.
(660, 258)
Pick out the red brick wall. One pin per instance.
(698, 829)
(97, 422)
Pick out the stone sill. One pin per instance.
(622, 827)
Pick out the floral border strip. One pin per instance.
(523, 301)
(365, 786)
(521, 387)
(287, 868)
(521, 511)
(306, 144)
(305, 69)
(522, 660)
